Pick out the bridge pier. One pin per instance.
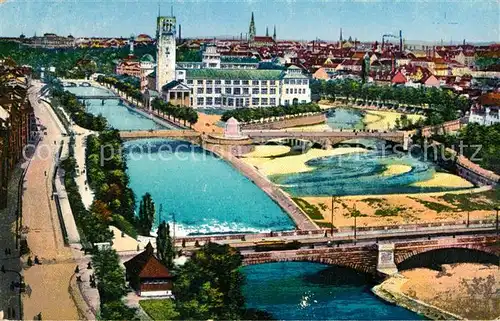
(385, 262)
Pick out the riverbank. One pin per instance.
(467, 291)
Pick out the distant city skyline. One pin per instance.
(366, 20)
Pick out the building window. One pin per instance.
(237, 91)
(199, 82)
(255, 91)
(303, 101)
(236, 82)
(305, 81)
(287, 91)
(245, 91)
(209, 82)
(209, 90)
(264, 82)
(217, 82)
(200, 101)
(199, 90)
(217, 90)
(228, 91)
(298, 81)
(263, 91)
(247, 102)
(264, 101)
(212, 65)
(239, 102)
(287, 81)
(255, 101)
(218, 100)
(287, 102)
(255, 82)
(272, 91)
(245, 82)
(230, 102)
(190, 81)
(273, 82)
(295, 91)
(209, 101)
(272, 101)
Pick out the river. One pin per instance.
(313, 291)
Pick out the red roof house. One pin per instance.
(399, 78)
(147, 275)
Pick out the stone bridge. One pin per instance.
(384, 258)
(101, 97)
(185, 135)
(327, 138)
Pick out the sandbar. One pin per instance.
(396, 169)
(445, 180)
(296, 163)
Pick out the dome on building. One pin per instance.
(147, 58)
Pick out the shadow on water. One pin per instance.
(339, 276)
(436, 258)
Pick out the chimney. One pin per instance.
(400, 41)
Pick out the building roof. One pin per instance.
(173, 84)
(490, 99)
(249, 74)
(146, 265)
(240, 60)
(263, 39)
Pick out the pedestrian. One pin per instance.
(45, 172)
(37, 261)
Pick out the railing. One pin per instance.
(55, 195)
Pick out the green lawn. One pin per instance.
(311, 210)
(163, 309)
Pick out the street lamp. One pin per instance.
(331, 228)
(497, 208)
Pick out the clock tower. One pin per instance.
(165, 51)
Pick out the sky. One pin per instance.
(366, 20)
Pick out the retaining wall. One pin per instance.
(288, 122)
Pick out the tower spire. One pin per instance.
(267, 31)
(274, 34)
(251, 29)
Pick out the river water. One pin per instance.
(206, 194)
(118, 114)
(313, 291)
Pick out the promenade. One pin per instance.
(49, 282)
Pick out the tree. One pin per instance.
(146, 214)
(164, 245)
(209, 285)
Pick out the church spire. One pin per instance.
(274, 34)
(251, 29)
(267, 31)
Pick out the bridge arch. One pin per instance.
(434, 257)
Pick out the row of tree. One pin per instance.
(248, 114)
(479, 143)
(130, 89)
(176, 113)
(114, 200)
(442, 105)
(76, 110)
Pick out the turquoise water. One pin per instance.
(344, 118)
(312, 291)
(118, 115)
(206, 194)
(358, 174)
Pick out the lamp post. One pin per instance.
(331, 228)
(497, 208)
